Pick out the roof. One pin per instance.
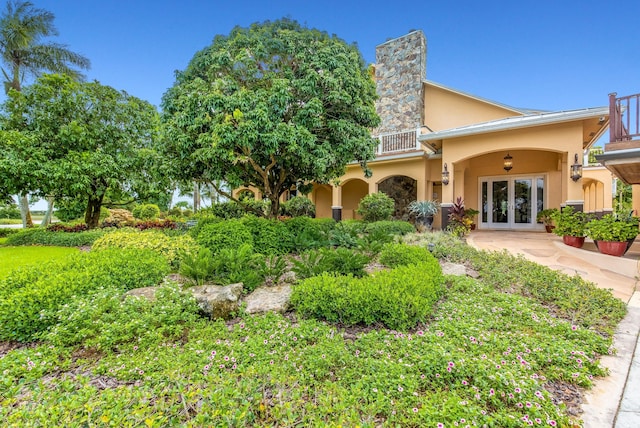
(517, 122)
(481, 99)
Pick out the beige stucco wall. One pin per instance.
(445, 109)
(598, 190)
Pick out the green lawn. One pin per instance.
(12, 257)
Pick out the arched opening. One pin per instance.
(322, 196)
(352, 192)
(403, 190)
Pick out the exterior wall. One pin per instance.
(401, 66)
(352, 192)
(598, 190)
(321, 196)
(520, 144)
(445, 109)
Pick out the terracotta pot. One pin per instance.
(473, 226)
(549, 228)
(573, 241)
(612, 248)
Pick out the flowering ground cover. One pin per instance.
(492, 355)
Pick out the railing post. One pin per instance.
(417, 140)
(614, 118)
(379, 145)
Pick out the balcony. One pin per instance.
(398, 142)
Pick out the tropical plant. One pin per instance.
(298, 206)
(424, 212)
(459, 222)
(546, 216)
(23, 52)
(284, 104)
(612, 228)
(569, 222)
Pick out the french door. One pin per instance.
(511, 203)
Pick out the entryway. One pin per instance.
(511, 202)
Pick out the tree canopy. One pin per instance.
(271, 106)
(79, 140)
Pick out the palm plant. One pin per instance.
(24, 52)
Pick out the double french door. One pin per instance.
(511, 203)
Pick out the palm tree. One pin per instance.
(24, 52)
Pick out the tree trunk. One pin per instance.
(47, 217)
(25, 213)
(92, 214)
(196, 197)
(275, 206)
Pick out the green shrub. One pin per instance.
(9, 211)
(269, 236)
(376, 207)
(104, 320)
(298, 206)
(198, 267)
(37, 236)
(68, 209)
(341, 261)
(202, 219)
(241, 264)
(4, 232)
(344, 235)
(398, 298)
(146, 211)
(171, 248)
(119, 218)
(306, 233)
(394, 255)
(394, 227)
(27, 297)
(225, 234)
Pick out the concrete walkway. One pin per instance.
(615, 400)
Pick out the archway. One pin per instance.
(403, 190)
(322, 196)
(352, 192)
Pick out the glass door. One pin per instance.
(511, 203)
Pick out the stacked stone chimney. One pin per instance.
(401, 67)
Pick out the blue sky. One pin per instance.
(546, 54)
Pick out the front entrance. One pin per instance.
(511, 203)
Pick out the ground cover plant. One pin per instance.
(492, 351)
(15, 257)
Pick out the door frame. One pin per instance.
(511, 179)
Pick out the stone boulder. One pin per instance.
(217, 301)
(457, 269)
(269, 299)
(148, 293)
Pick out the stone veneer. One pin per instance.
(401, 67)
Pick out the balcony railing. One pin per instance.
(624, 118)
(398, 142)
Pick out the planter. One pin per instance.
(549, 228)
(573, 241)
(426, 222)
(473, 226)
(612, 248)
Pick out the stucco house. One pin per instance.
(441, 143)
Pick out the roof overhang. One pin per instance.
(519, 122)
(624, 164)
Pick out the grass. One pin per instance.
(10, 221)
(493, 354)
(13, 257)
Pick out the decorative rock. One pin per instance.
(266, 299)
(148, 293)
(216, 301)
(453, 269)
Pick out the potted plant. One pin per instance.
(424, 212)
(546, 217)
(570, 225)
(471, 214)
(613, 234)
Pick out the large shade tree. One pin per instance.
(271, 106)
(80, 140)
(24, 51)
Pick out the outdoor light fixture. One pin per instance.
(445, 175)
(508, 162)
(576, 169)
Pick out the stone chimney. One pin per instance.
(401, 67)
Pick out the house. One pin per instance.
(441, 143)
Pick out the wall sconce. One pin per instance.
(576, 169)
(508, 162)
(445, 175)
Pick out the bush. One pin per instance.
(10, 211)
(376, 207)
(68, 209)
(104, 320)
(270, 237)
(394, 227)
(233, 265)
(394, 255)
(38, 236)
(119, 218)
(398, 298)
(202, 219)
(198, 267)
(225, 234)
(26, 299)
(171, 248)
(341, 261)
(146, 211)
(4, 232)
(298, 206)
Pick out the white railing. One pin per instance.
(398, 142)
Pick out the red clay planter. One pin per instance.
(612, 248)
(573, 241)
